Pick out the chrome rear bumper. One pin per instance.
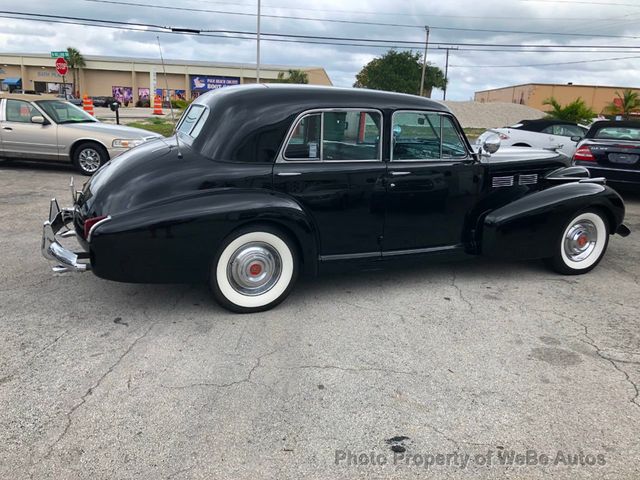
(56, 226)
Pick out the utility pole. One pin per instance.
(424, 63)
(258, 46)
(446, 70)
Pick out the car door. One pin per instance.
(332, 166)
(566, 132)
(21, 138)
(433, 182)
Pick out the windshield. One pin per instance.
(193, 119)
(619, 133)
(64, 112)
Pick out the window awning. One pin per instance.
(14, 82)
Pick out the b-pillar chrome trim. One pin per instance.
(66, 260)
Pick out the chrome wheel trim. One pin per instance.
(89, 159)
(580, 240)
(254, 268)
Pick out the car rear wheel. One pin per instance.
(88, 157)
(254, 270)
(582, 245)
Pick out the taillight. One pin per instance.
(89, 223)
(584, 154)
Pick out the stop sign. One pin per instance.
(61, 66)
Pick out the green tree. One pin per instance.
(293, 76)
(399, 72)
(629, 101)
(576, 111)
(76, 62)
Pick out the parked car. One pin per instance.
(41, 127)
(71, 99)
(262, 183)
(548, 134)
(104, 101)
(612, 150)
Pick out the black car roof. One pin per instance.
(321, 96)
(596, 126)
(541, 124)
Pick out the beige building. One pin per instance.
(131, 79)
(534, 94)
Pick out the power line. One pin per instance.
(288, 38)
(547, 64)
(358, 22)
(204, 32)
(400, 14)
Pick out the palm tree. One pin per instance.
(628, 102)
(576, 111)
(76, 62)
(295, 76)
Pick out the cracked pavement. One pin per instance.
(100, 380)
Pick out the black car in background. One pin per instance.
(612, 150)
(103, 101)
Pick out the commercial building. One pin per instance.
(133, 79)
(534, 94)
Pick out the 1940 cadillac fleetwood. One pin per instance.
(263, 182)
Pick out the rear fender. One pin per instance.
(144, 243)
(531, 226)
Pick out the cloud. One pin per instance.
(343, 62)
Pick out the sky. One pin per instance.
(575, 26)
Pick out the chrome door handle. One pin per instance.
(289, 174)
(399, 174)
(392, 185)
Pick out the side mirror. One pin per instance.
(38, 119)
(576, 138)
(491, 144)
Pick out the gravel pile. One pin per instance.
(491, 115)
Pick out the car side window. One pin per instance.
(416, 136)
(304, 142)
(452, 144)
(350, 135)
(20, 111)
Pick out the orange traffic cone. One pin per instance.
(157, 105)
(87, 105)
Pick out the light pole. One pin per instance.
(258, 46)
(424, 64)
(446, 70)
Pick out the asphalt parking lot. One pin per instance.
(399, 373)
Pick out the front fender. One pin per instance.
(176, 240)
(531, 226)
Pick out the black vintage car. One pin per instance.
(612, 150)
(262, 183)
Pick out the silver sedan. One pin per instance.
(47, 128)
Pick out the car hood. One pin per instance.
(117, 131)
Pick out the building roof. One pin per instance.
(169, 61)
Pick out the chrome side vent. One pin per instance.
(502, 182)
(530, 179)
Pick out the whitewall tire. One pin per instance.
(254, 270)
(583, 243)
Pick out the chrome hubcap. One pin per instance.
(580, 240)
(254, 268)
(89, 159)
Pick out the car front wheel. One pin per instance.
(254, 270)
(582, 245)
(89, 157)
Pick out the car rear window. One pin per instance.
(193, 120)
(618, 133)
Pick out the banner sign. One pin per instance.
(201, 83)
